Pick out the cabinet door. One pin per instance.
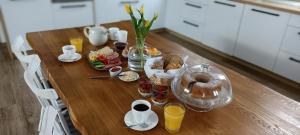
(288, 65)
(152, 7)
(73, 14)
(113, 10)
(291, 41)
(185, 22)
(260, 35)
(21, 17)
(173, 20)
(222, 24)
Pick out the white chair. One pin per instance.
(18, 48)
(20, 51)
(47, 97)
(48, 126)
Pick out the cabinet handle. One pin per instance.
(295, 60)
(73, 6)
(192, 5)
(298, 33)
(129, 2)
(265, 12)
(189, 23)
(226, 4)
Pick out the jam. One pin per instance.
(115, 69)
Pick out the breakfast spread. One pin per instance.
(104, 58)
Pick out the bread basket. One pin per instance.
(160, 75)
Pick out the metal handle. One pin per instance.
(189, 23)
(73, 6)
(299, 33)
(192, 5)
(226, 4)
(129, 2)
(265, 12)
(295, 60)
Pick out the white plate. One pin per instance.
(134, 76)
(151, 121)
(74, 58)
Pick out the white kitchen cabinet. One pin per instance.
(155, 6)
(291, 41)
(72, 14)
(288, 65)
(189, 21)
(113, 10)
(260, 35)
(24, 16)
(172, 18)
(295, 20)
(222, 24)
(193, 10)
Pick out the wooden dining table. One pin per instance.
(98, 107)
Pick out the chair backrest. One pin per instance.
(34, 83)
(48, 124)
(18, 48)
(20, 51)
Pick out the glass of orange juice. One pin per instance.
(174, 114)
(78, 43)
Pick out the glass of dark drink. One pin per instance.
(145, 87)
(120, 46)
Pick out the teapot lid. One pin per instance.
(99, 27)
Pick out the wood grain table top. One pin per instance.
(97, 107)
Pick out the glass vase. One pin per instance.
(137, 56)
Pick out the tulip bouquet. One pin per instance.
(141, 27)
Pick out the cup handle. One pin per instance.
(86, 31)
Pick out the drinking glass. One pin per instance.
(78, 43)
(160, 94)
(174, 114)
(145, 87)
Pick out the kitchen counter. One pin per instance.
(272, 5)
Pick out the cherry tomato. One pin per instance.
(103, 59)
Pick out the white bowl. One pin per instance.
(113, 74)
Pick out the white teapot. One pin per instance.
(97, 35)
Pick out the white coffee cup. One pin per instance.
(122, 36)
(140, 116)
(69, 50)
(113, 33)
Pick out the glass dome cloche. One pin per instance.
(202, 88)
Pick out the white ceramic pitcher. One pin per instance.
(97, 35)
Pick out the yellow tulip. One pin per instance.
(147, 23)
(142, 9)
(128, 9)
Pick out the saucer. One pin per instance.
(74, 58)
(151, 121)
(129, 76)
